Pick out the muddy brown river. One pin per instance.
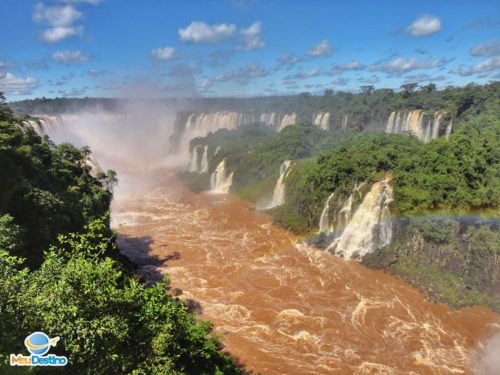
(283, 308)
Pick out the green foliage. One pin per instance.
(287, 217)
(10, 234)
(361, 158)
(484, 239)
(455, 263)
(45, 189)
(461, 173)
(109, 323)
(438, 231)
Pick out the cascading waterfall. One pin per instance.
(194, 165)
(418, 123)
(220, 181)
(270, 119)
(322, 120)
(449, 128)
(324, 218)
(370, 227)
(279, 190)
(287, 120)
(199, 124)
(344, 121)
(204, 160)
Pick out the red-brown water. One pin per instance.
(290, 309)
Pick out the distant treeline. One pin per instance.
(365, 106)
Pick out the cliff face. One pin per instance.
(453, 261)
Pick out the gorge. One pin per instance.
(300, 300)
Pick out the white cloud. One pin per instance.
(341, 81)
(96, 72)
(3, 68)
(165, 53)
(58, 33)
(70, 57)
(251, 36)
(322, 48)
(314, 72)
(59, 21)
(425, 25)
(491, 48)
(370, 80)
(56, 16)
(402, 65)
(200, 32)
(352, 65)
(13, 85)
(288, 59)
(485, 66)
(73, 92)
(241, 75)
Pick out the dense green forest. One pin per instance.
(59, 272)
(44, 190)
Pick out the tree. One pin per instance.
(367, 89)
(109, 323)
(328, 92)
(5, 112)
(408, 89)
(428, 89)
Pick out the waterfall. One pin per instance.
(220, 182)
(418, 123)
(193, 161)
(93, 164)
(217, 150)
(279, 190)
(323, 220)
(287, 120)
(322, 120)
(270, 119)
(370, 226)
(344, 121)
(449, 129)
(390, 123)
(204, 160)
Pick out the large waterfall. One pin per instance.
(279, 190)
(204, 160)
(220, 181)
(194, 165)
(370, 226)
(324, 218)
(271, 119)
(45, 125)
(199, 124)
(419, 124)
(322, 120)
(344, 121)
(287, 120)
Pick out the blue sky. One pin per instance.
(242, 47)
